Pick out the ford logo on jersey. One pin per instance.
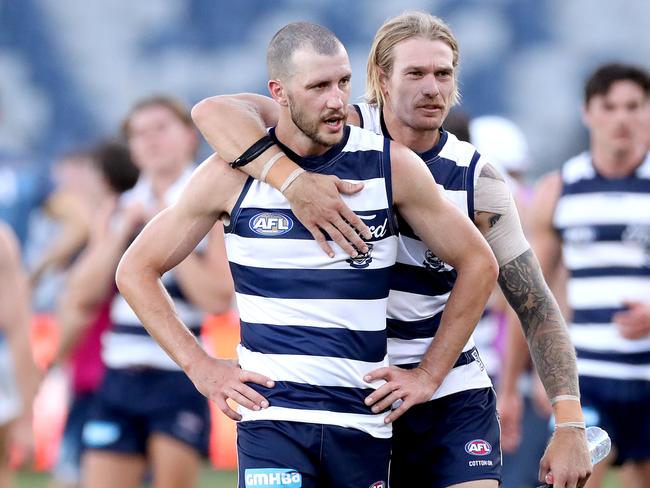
(478, 447)
(270, 224)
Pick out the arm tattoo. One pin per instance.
(494, 219)
(524, 287)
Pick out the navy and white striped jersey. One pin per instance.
(316, 325)
(605, 229)
(127, 343)
(421, 282)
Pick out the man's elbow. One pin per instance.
(490, 267)
(203, 110)
(125, 275)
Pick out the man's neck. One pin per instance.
(417, 140)
(617, 164)
(296, 140)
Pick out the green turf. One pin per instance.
(209, 479)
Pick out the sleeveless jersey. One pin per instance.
(127, 343)
(421, 282)
(315, 325)
(605, 229)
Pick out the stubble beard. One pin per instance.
(310, 129)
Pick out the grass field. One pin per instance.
(209, 479)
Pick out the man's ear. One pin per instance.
(383, 82)
(278, 92)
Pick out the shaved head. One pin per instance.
(293, 37)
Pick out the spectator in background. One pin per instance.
(59, 228)
(147, 413)
(18, 373)
(111, 173)
(593, 217)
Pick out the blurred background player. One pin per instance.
(146, 412)
(111, 173)
(593, 217)
(18, 373)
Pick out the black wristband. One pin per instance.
(253, 152)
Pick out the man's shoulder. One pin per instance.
(364, 140)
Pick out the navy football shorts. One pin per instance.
(302, 455)
(621, 408)
(453, 439)
(133, 404)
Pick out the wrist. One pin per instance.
(280, 171)
(567, 411)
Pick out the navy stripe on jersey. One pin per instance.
(301, 396)
(420, 280)
(139, 330)
(236, 210)
(465, 358)
(594, 233)
(358, 109)
(348, 284)
(246, 221)
(369, 346)
(638, 358)
(470, 185)
(448, 174)
(609, 272)
(598, 185)
(594, 315)
(419, 329)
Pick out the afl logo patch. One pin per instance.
(478, 447)
(270, 224)
(378, 484)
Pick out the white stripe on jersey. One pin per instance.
(372, 424)
(607, 292)
(286, 311)
(128, 350)
(122, 314)
(410, 351)
(411, 307)
(372, 197)
(246, 252)
(605, 338)
(606, 254)
(602, 209)
(609, 369)
(311, 370)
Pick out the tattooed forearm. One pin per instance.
(524, 287)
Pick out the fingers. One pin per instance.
(248, 398)
(260, 379)
(347, 228)
(347, 187)
(320, 239)
(225, 408)
(337, 237)
(398, 412)
(379, 394)
(387, 401)
(377, 374)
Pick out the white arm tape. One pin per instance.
(507, 238)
